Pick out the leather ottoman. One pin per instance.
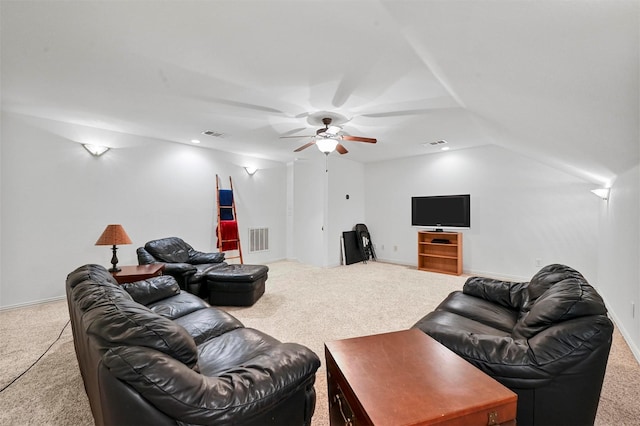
(236, 285)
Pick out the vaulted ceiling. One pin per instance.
(554, 80)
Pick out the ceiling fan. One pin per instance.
(328, 139)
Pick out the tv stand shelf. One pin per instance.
(440, 256)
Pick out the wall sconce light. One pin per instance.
(113, 235)
(251, 170)
(602, 193)
(95, 150)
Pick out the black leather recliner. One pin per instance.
(186, 265)
(548, 340)
(151, 354)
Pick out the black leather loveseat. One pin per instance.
(548, 340)
(151, 354)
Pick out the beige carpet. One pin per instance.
(302, 304)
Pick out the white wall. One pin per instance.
(309, 211)
(346, 177)
(521, 210)
(321, 210)
(57, 199)
(618, 254)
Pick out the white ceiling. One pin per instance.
(555, 80)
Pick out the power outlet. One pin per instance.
(538, 262)
(395, 248)
(633, 310)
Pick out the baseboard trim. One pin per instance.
(472, 272)
(32, 303)
(628, 338)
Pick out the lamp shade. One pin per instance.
(113, 235)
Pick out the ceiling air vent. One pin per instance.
(437, 142)
(213, 133)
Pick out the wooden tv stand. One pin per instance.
(443, 257)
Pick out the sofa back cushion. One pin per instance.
(149, 291)
(171, 249)
(566, 295)
(113, 318)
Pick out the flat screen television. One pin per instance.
(441, 211)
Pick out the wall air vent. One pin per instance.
(213, 133)
(258, 239)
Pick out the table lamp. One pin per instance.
(113, 235)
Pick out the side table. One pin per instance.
(129, 274)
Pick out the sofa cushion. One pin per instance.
(480, 310)
(205, 324)
(116, 321)
(179, 305)
(443, 323)
(172, 250)
(152, 289)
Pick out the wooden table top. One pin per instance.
(137, 272)
(408, 378)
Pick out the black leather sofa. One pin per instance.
(548, 340)
(151, 354)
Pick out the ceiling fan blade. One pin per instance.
(299, 136)
(419, 111)
(294, 131)
(341, 149)
(305, 146)
(358, 139)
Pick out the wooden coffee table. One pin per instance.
(129, 274)
(408, 378)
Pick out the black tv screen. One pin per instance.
(441, 210)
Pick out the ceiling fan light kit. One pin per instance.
(328, 138)
(326, 145)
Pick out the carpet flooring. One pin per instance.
(302, 304)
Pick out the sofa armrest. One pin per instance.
(179, 269)
(144, 257)
(509, 294)
(152, 289)
(237, 395)
(197, 257)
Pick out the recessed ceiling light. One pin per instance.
(213, 133)
(195, 141)
(445, 148)
(439, 143)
